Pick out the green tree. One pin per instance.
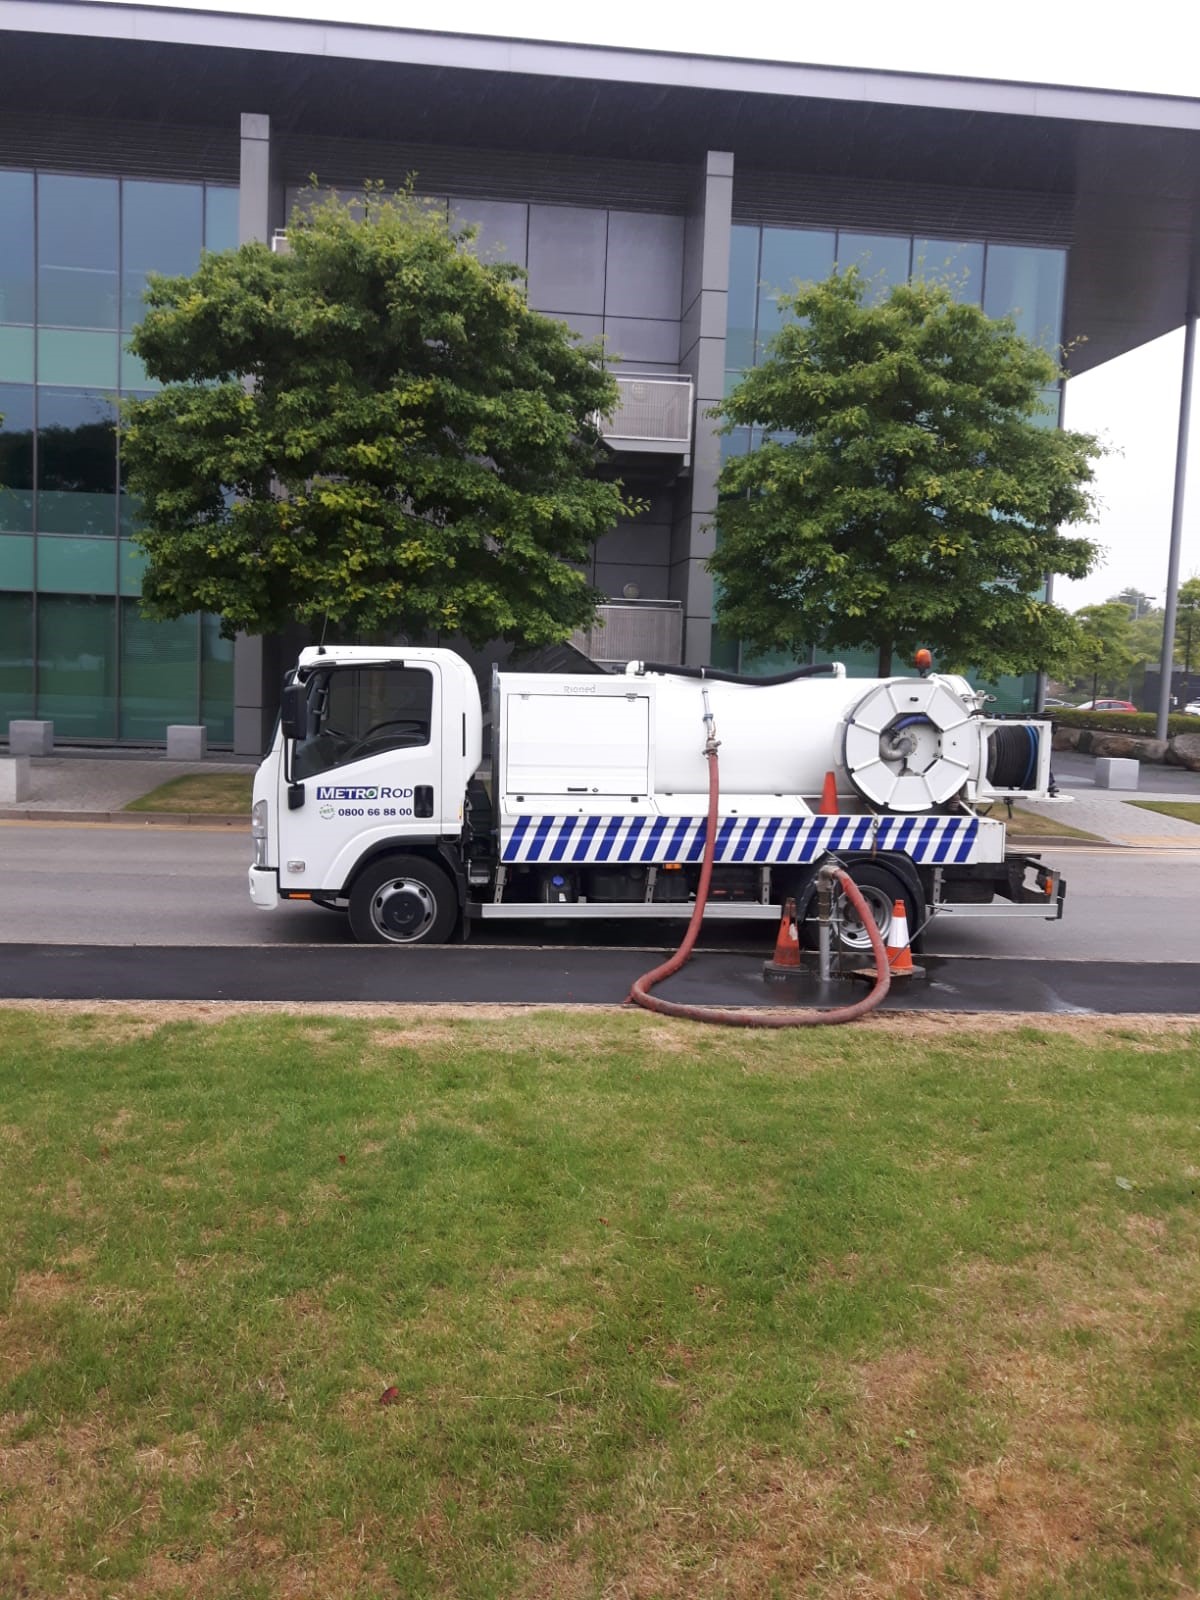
(373, 429)
(1105, 652)
(1187, 624)
(905, 492)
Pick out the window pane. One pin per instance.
(951, 261)
(162, 230)
(77, 251)
(16, 355)
(131, 564)
(220, 218)
(789, 256)
(67, 565)
(216, 680)
(16, 561)
(76, 358)
(882, 258)
(743, 297)
(77, 463)
(16, 656)
(134, 375)
(361, 711)
(159, 672)
(1027, 284)
(16, 246)
(16, 457)
(76, 665)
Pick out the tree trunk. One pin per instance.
(885, 659)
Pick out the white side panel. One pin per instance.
(557, 745)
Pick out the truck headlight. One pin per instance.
(258, 832)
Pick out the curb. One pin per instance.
(172, 819)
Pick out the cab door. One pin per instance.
(369, 766)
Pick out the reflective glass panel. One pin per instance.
(216, 680)
(790, 256)
(16, 246)
(70, 565)
(81, 359)
(743, 298)
(77, 251)
(956, 263)
(882, 258)
(131, 564)
(1027, 284)
(77, 462)
(16, 355)
(159, 673)
(16, 457)
(16, 656)
(16, 561)
(134, 374)
(77, 665)
(162, 230)
(220, 218)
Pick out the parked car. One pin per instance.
(1107, 705)
(1049, 703)
(1192, 709)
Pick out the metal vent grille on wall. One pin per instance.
(486, 174)
(121, 148)
(786, 199)
(634, 630)
(654, 413)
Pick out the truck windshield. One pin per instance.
(356, 712)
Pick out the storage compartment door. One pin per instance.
(560, 744)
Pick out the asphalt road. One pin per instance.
(98, 885)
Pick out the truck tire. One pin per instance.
(881, 888)
(402, 900)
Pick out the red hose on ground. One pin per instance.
(640, 993)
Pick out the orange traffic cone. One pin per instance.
(829, 803)
(899, 953)
(785, 963)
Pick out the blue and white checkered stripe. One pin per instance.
(751, 840)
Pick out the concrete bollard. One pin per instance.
(1116, 772)
(14, 780)
(186, 742)
(30, 738)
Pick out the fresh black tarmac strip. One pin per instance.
(554, 976)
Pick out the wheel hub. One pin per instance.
(403, 910)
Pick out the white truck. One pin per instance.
(371, 799)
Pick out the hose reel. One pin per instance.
(909, 745)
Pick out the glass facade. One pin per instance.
(75, 252)
(1023, 281)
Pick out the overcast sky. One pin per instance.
(1153, 47)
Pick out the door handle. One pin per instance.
(423, 800)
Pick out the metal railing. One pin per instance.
(634, 630)
(654, 413)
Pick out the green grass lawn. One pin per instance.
(220, 792)
(906, 1310)
(1186, 810)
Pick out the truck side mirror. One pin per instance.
(293, 711)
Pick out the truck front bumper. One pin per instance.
(264, 887)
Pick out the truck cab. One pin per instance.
(366, 778)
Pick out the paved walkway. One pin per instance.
(1113, 818)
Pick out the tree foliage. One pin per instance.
(373, 428)
(1106, 648)
(904, 492)
(1187, 624)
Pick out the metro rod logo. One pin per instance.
(361, 793)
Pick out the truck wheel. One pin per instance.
(880, 889)
(402, 900)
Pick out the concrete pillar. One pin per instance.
(702, 354)
(260, 212)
